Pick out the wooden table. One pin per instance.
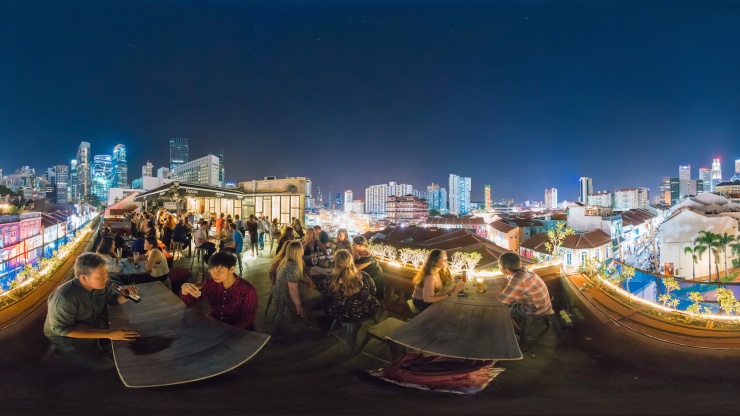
(178, 344)
(475, 327)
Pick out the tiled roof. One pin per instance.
(537, 243)
(636, 216)
(502, 226)
(560, 217)
(455, 221)
(591, 239)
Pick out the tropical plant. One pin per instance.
(628, 272)
(708, 240)
(727, 301)
(695, 259)
(695, 297)
(556, 238)
(667, 299)
(724, 240)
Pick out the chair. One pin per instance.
(379, 331)
(200, 254)
(352, 328)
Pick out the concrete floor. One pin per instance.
(303, 372)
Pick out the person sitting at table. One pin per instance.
(285, 238)
(201, 240)
(311, 243)
(369, 264)
(232, 300)
(342, 241)
(526, 294)
(121, 243)
(322, 236)
(137, 245)
(293, 288)
(156, 263)
(237, 241)
(76, 320)
(352, 291)
(149, 228)
(107, 251)
(430, 281)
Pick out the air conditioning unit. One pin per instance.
(270, 178)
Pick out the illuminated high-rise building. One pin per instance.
(204, 171)
(684, 180)
(147, 170)
(347, 201)
(551, 198)
(437, 198)
(716, 174)
(61, 173)
(706, 177)
(459, 196)
(84, 171)
(120, 167)
(102, 176)
(74, 194)
(586, 189)
(487, 196)
(179, 150)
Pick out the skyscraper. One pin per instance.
(706, 176)
(551, 198)
(120, 167)
(460, 187)
(62, 182)
(178, 152)
(736, 176)
(84, 178)
(347, 201)
(587, 188)
(146, 170)
(74, 194)
(437, 198)
(675, 184)
(716, 174)
(487, 196)
(204, 171)
(684, 179)
(665, 191)
(102, 176)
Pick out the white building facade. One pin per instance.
(202, 171)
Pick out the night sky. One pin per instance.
(521, 95)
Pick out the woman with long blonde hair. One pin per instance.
(430, 281)
(352, 291)
(291, 283)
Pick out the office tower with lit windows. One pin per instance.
(84, 171)
(551, 198)
(684, 178)
(347, 201)
(706, 177)
(203, 171)
(178, 152)
(716, 174)
(459, 197)
(73, 193)
(437, 198)
(487, 196)
(102, 176)
(664, 197)
(221, 171)
(586, 189)
(120, 167)
(61, 173)
(147, 170)
(675, 184)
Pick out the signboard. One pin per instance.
(668, 269)
(172, 206)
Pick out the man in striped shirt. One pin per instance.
(526, 294)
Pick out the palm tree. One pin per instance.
(724, 240)
(693, 251)
(708, 240)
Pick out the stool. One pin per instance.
(379, 331)
(200, 254)
(177, 248)
(352, 328)
(414, 310)
(527, 324)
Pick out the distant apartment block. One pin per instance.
(203, 171)
(551, 198)
(459, 196)
(586, 189)
(407, 209)
(601, 199)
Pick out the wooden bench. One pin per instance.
(379, 332)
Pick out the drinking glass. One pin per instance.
(136, 259)
(119, 253)
(314, 258)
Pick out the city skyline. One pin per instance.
(522, 96)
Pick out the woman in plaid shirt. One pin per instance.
(526, 293)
